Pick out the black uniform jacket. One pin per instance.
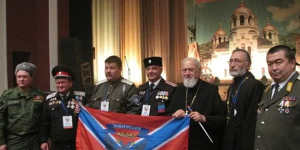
(241, 115)
(278, 122)
(54, 108)
(208, 103)
(159, 99)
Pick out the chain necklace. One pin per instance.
(186, 99)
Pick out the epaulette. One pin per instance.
(79, 93)
(126, 81)
(267, 88)
(102, 81)
(171, 83)
(51, 95)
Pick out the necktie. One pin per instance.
(276, 86)
(151, 87)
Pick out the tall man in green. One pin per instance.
(20, 109)
(278, 119)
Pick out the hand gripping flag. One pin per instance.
(99, 130)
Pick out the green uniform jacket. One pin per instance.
(121, 94)
(20, 118)
(278, 122)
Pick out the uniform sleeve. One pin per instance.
(45, 123)
(3, 119)
(133, 104)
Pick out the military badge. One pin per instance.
(286, 104)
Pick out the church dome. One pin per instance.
(220, 32)
(243, 10)
(269, 27)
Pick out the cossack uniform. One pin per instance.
(115, 96)
(159, 98)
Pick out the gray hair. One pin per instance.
(194, 60)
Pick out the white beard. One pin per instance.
(190, 82)
(238, 73)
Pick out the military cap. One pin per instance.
(61, 71)
(157, 61)
(26, 66)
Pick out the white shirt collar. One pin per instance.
(283, 83)
(155, 83)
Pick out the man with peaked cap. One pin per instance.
(155, 95)
(20, 109)
(60, 112)
(278, 114)
(114, 94)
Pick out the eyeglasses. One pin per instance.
(235, 61)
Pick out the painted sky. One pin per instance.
(208, 14)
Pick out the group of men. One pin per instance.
(252, 117)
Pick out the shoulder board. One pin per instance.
(126, 81)
(79, 93)
(267, 88)
(102, 81)
(298, 77)
(51, 95)
(171, 83)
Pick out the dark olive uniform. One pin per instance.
(278, 121)
(54, 108)
(159, 98)
(20, 119)
(121, 95)
(243, 97)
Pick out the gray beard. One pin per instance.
(238, 73)
(189, 83)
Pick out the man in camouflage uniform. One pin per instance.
(155, 95)
(114, 94)
(278, 119)
(60, 112)
(20, 109)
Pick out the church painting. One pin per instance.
(217, 27)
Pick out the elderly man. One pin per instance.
(20, 112)
(155, 95)
(114, 94)
(243, 96)
(278, 121)
(201, 101)
(60, 112)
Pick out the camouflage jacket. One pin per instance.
(19, 113)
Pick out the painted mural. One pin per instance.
(216, 27)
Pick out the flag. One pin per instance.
(98, 130)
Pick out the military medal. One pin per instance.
(67, 122)
(146, 110)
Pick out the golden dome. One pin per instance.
(243, 10)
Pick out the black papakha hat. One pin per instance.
(157, 61)
(61, 71)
